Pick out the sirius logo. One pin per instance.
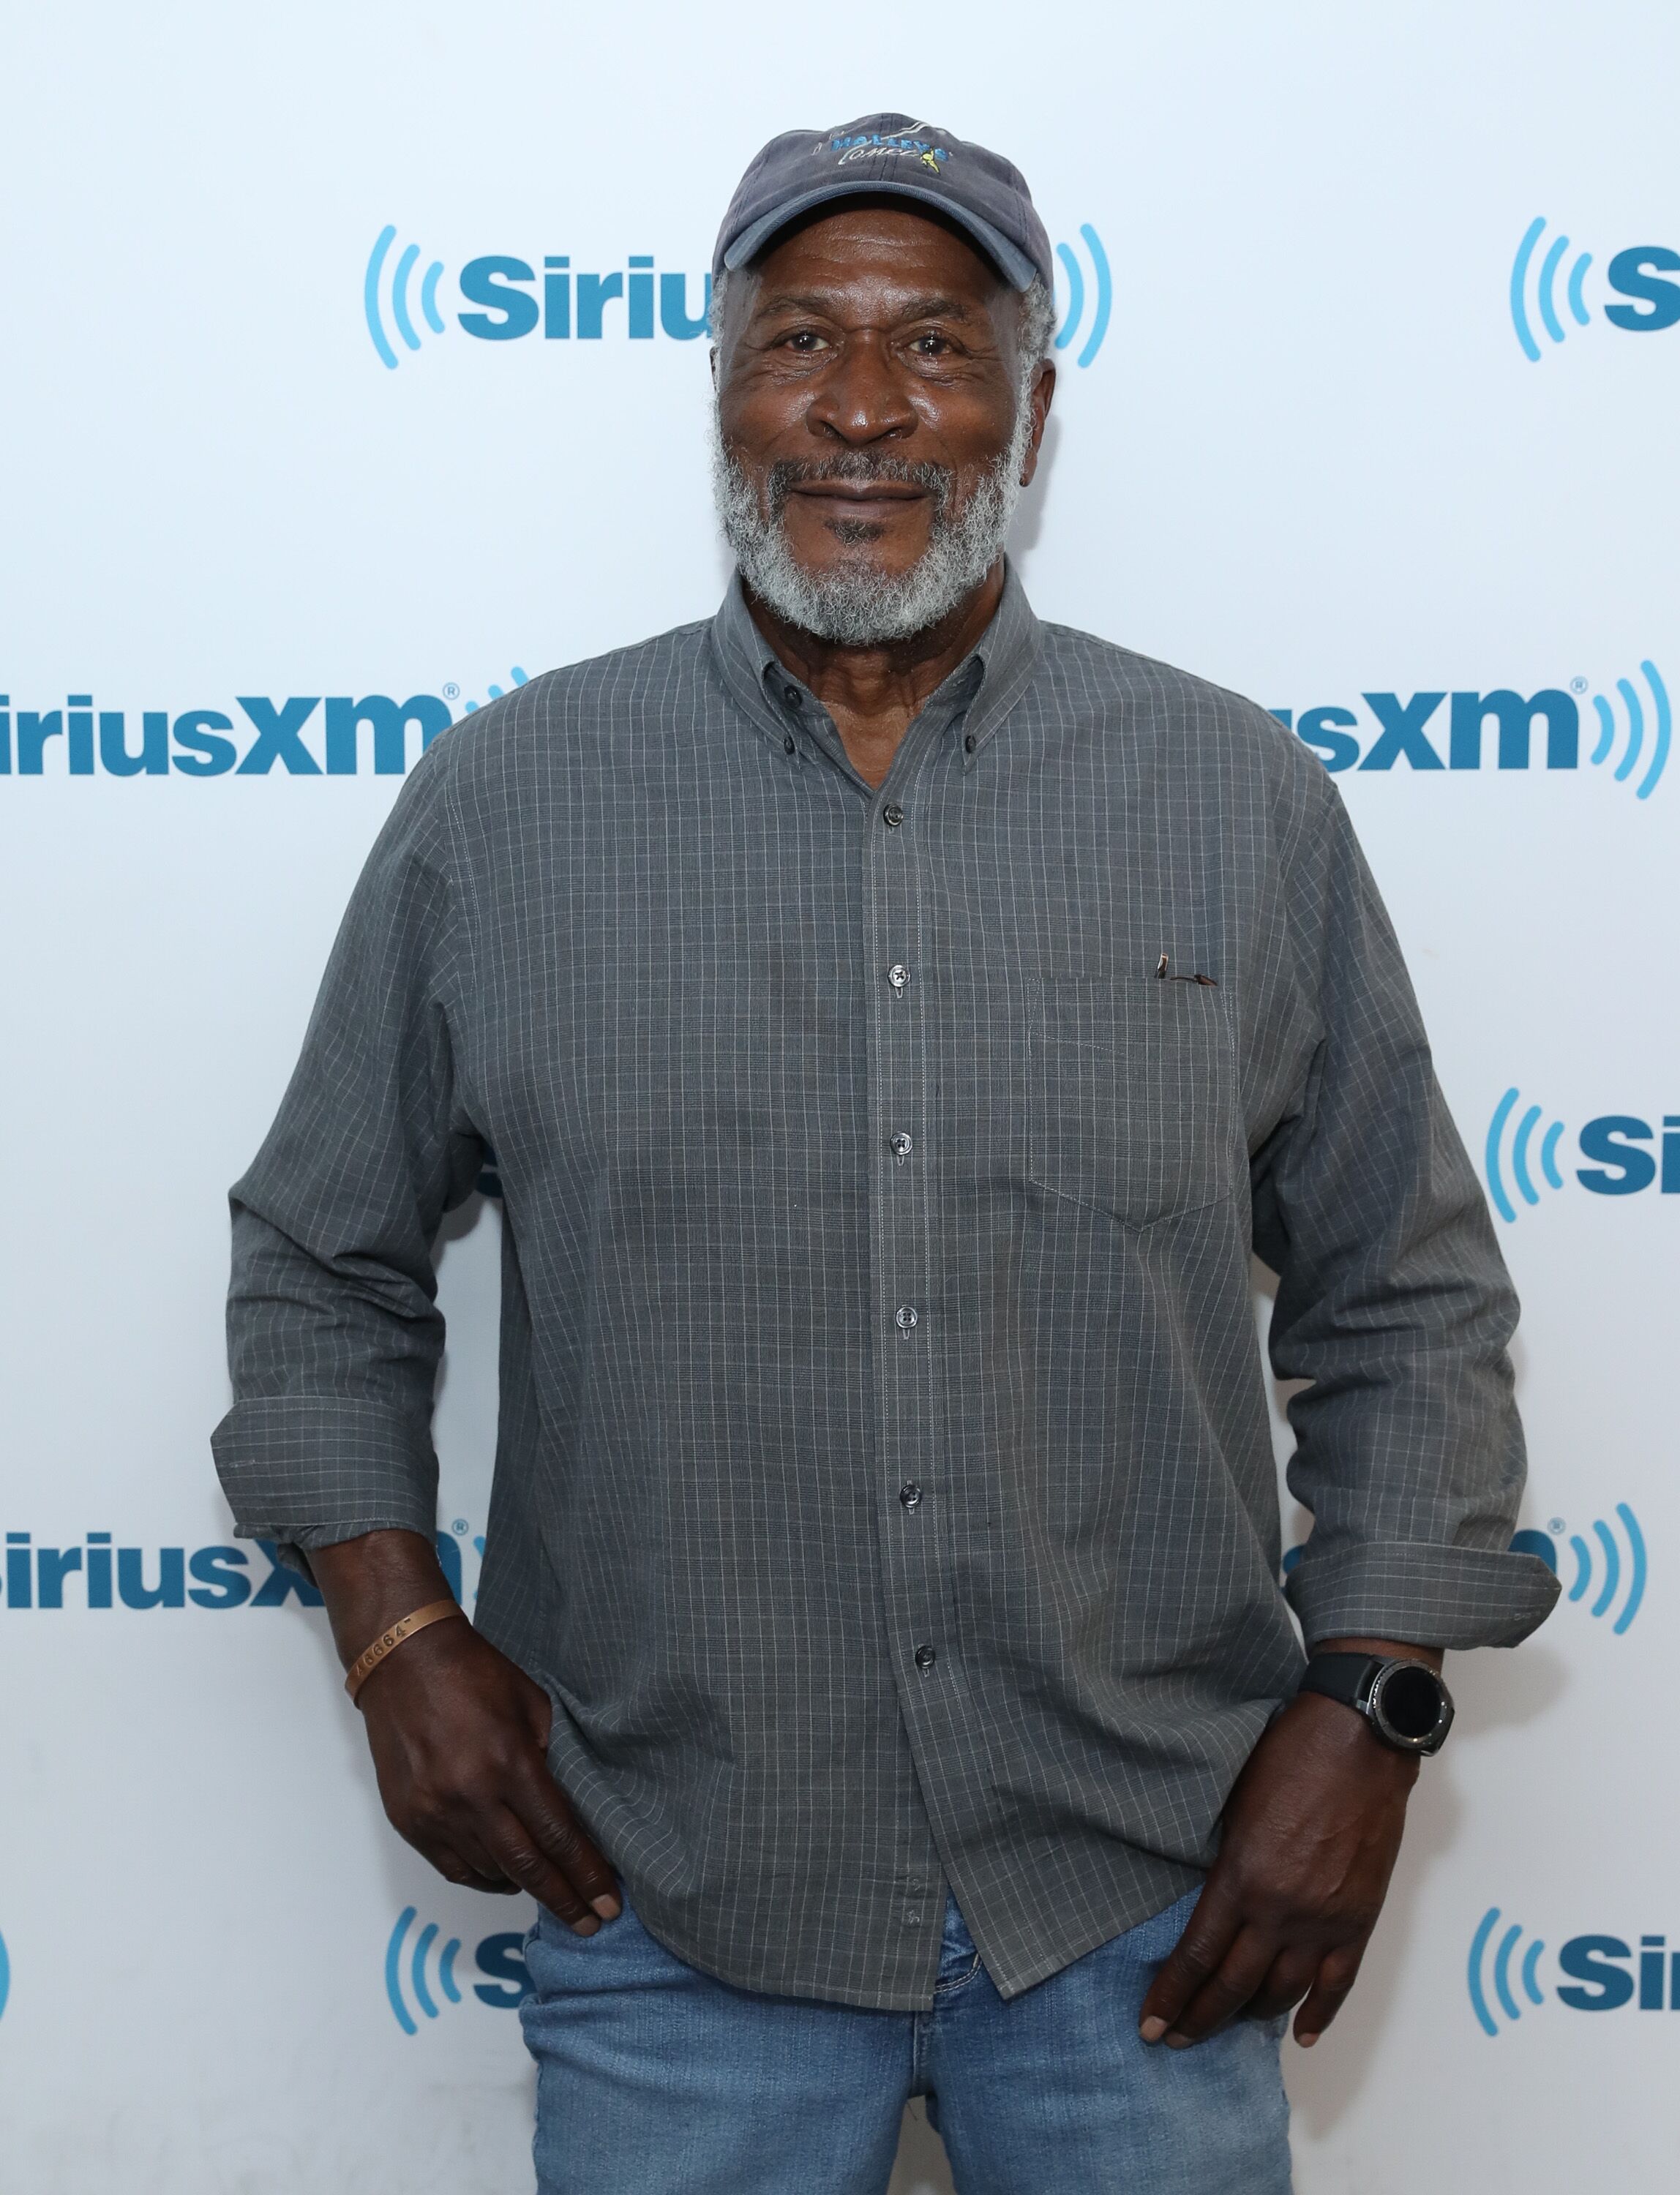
(500, 1958)
(1620, 1582)
(95, 1575)
(1410, 731)
(511, 299)
(1600, 1970)
(1102, 303)
(1613, 1140)
(1636, 273)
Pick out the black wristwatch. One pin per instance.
(1404, 1703)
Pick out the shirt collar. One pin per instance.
(987, 682)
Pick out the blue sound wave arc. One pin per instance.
(1076, 294)
(405, 2018)
(401, 318)
(1658, 714)
(405, 267)
(1577, 303)
(417, 1972)
(495, 692)
(429, 297)
(1105, 293)
(1606, 729)
(1554, 326)
(1636, 1592)
(370, 293)
(1502, 1112)
(1490, 1921)
(1548, 1155)
(1525, 252)
(5, 1975)
(1531, 1988)
(1502, 1974)
(1613, 1568)
(1635, 729)
(1583, 1555)
(1659, 761)
(1545, 289)
(445, 1970)
(1526, 1128)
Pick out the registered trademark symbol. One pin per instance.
(452, 692)
(460, 1525)
(1576, 686)
(1555, 1525)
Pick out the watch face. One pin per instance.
(1411, 1700)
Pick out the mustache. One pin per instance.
(857, 468)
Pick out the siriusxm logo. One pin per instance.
(508, 298)
(1618, 1576)
(1613, 1142)
(1602, 1973)
(500, 1959)
(1499, 729)
(1636, 274)
(97, 1575)
(302, 736)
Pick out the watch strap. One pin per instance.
(1344, 1677)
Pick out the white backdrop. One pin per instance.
(1311, 456)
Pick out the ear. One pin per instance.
(1038, 396)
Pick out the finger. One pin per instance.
(1290, 1978)
(517, 1855)
(1337, 1976)
(456, 1850)
(1227, 1990)
(1212, 1928)
(541, 1805)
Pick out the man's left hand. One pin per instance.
(1311, 1832)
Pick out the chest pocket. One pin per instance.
(1134, 1095)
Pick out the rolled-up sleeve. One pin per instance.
(1392, 1301)
(334, 1335)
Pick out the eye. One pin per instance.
(932, 344)
(805, 341)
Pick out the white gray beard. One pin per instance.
(858, 606)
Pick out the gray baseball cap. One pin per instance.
(888, 154)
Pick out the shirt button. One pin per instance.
(968, 743)
(899, 975)
(906, 1316)
(901, 1144)
(925, 1658)
(793, 697)
(892, 815)
(788, 744)
(910, 1495)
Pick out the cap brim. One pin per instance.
(1017, 269)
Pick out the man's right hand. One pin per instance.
(459, 1738)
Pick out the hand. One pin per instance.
(1311, 1832)
(459, 1738)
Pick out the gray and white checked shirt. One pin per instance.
(885, 1492)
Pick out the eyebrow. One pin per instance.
(817, 301)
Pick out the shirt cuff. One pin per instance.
(1420, 1592)
(308, 1470)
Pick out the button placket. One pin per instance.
(915, 1555)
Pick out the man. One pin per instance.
(895, 1021)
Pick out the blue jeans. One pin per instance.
(655, 2079)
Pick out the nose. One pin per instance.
(862, 399)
